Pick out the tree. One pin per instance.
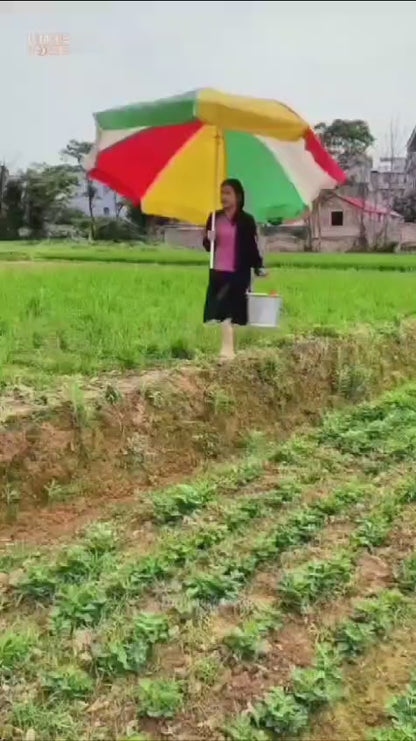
(46, 190)
(13, 216)
(347, 141)
(136, 216)
(406, 206)
(76, 151)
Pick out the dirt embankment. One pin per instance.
(146, 431)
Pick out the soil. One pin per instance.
(129, 434)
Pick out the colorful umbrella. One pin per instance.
(172, 154)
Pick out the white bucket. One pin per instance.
(264, 310)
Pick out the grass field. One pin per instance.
(166, 255)
(67, 319)
(272, 599)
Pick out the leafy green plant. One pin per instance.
(78, 606)
(321, 684)
(375, 529)
(213, 587)
(403, 709)
(69, 683)
(182, 500)
(129, 653)
(280, 713)
(248, 641)
(242, 729)
(159, 698)
(100, 538)
(372, 620)
(38, 583)
(302, 587)
(352, 638)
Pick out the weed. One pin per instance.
(406, 577)
(159, 698)
(17, 647)
(55, 492)
(11, 498)
(207, 670)
(220, 401)
(48, 724)
(354, 381)
(112, 395)
(69, 683)
(81, 413)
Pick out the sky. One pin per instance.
(325, 60)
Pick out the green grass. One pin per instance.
(164, 254)
(58, 320)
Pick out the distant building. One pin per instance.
(390, 180)
(411, 161)
(343, 222)
(105, 200)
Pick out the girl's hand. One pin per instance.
(211, 235)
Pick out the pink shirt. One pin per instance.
(225, 233)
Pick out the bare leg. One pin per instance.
(227, 348)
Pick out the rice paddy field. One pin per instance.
(63, 319)
(201, 552)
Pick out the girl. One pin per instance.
(235, 254)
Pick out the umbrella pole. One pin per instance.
(212, 241)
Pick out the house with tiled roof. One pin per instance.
(411, 160)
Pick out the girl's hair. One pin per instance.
(238, 190)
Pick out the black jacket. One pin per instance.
(247, 251)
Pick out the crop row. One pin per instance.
(317, 580)
(286, 712)
(95, 556)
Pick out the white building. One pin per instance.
(104, 203)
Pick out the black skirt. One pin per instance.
(227, 297)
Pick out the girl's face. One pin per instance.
(228, 197)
